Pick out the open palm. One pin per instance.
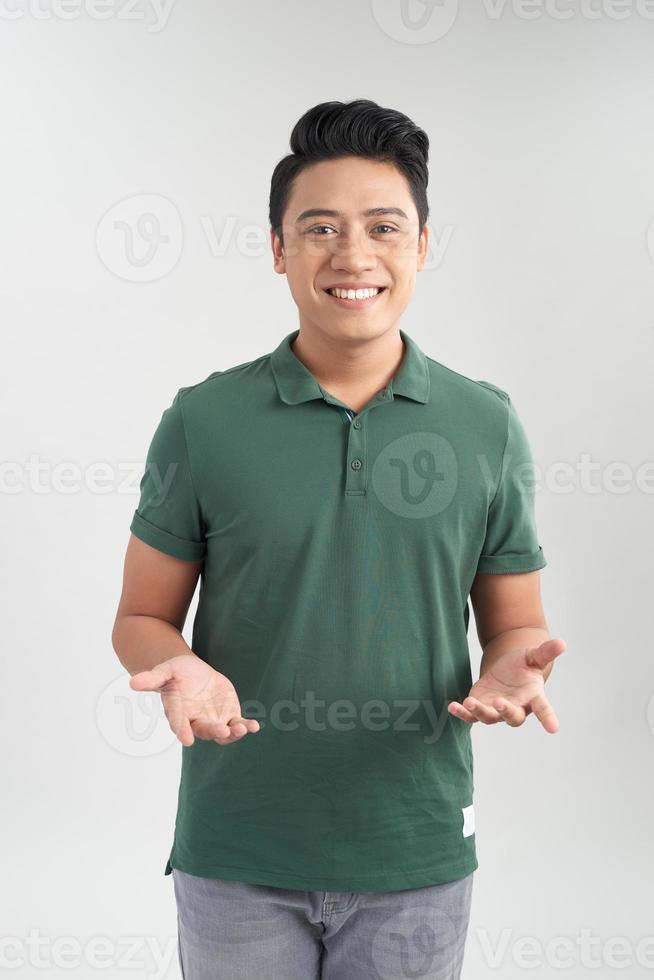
(197, 700)
(513, 688)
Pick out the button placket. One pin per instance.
(356, 468)
(356, 460)
(356, 471)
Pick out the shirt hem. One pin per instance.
(437, 875)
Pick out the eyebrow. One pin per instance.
(326, 212)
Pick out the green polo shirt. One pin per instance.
(339, 551)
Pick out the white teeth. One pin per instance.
(354, 293)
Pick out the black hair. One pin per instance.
(358, 128)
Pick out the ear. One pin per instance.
(279, 260)
(423, 247)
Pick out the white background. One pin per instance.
(541, 196)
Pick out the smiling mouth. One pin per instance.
(349, 298)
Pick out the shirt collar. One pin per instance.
(295, 383)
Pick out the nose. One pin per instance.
(353, 254)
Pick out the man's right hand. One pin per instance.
(197, 700)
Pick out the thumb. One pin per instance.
(154, 679)
(548, 650)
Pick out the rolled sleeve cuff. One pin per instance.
(492, 564)
(166, 541)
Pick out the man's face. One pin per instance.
(348, 247)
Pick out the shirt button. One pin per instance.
(357, 424)
(356, 464)
(382, 394)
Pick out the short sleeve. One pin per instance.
(511, 541)
(168, 515)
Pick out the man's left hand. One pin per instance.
(512, 689)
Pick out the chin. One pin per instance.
(358, 331)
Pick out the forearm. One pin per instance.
(142, 642)
(524, 636)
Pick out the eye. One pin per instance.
(310, 231)
(386, 226)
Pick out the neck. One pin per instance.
(351, 369)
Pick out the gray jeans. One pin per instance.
(231, 930)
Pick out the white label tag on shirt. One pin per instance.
(468, 820)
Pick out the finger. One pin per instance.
(237, 727)
(243, 726)
(222, 740)
(246, 724)
(230, 729)
(211, 725)
(185, 733)
(221, 732)
(511, 713)
(179, 723)
(548, 650)
(234, 729)
(545, 713)
(206, 727)
(152, 680)
(482, 712)
(457, 709)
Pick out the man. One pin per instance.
(340, 498)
